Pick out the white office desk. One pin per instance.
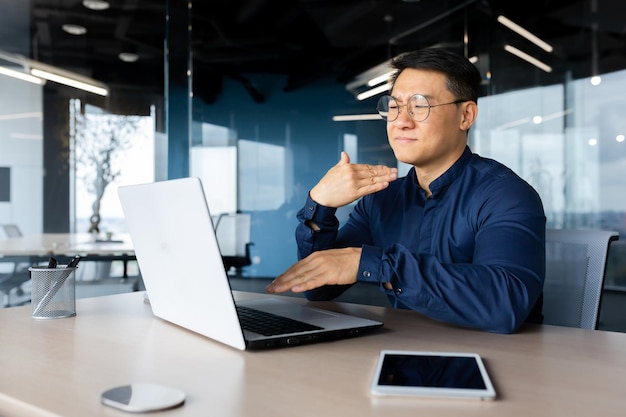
(69, 244)
(63, 246)
(60, 367)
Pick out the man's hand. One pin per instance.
(327, 267)
(346, 182)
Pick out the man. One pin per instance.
(460, 239)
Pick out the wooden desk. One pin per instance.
(60, 367)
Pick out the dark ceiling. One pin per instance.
(308, 39)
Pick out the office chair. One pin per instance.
(233, 236)
(11, 230)
(575, 270)
(12, 281)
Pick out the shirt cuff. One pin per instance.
(369, 265)
(371, 269)
(318, 213)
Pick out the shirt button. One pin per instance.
(311, 208)
(398, 291)
(367, 274)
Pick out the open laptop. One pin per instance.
(178, 254)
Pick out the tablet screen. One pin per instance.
(431, 374)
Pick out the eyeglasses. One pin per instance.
(417, 106)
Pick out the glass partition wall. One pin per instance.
(567, 141)
(564, 135)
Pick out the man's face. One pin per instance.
(436, 143)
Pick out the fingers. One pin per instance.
(284, 281)
(328, 267)
(378, 172)
(345, 182)
(374, 178)
(298, 278)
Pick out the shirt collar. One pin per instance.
(448, 177)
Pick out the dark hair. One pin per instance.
(463, 77)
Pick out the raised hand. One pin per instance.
(346, 182)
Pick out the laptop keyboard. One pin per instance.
(269, 324)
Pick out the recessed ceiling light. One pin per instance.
(128, 56)
(96, 4)
(73, 29)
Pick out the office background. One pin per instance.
(258, 124)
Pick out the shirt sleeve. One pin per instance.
(317, 228)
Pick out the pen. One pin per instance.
(74, 262)
(52, 263)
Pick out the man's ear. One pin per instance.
(468, 115)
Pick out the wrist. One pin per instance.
(315, 197)
(313, 226)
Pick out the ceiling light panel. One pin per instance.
(128, 56)
(74, 29)
(524, 33)
(21, 76)
(96, 4)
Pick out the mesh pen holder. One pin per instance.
(53, 294)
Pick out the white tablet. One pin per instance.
(431, 374)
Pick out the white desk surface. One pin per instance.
(46, 244)
(60, 367)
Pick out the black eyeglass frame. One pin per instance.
(382, 111)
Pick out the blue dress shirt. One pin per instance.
(472, 254)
